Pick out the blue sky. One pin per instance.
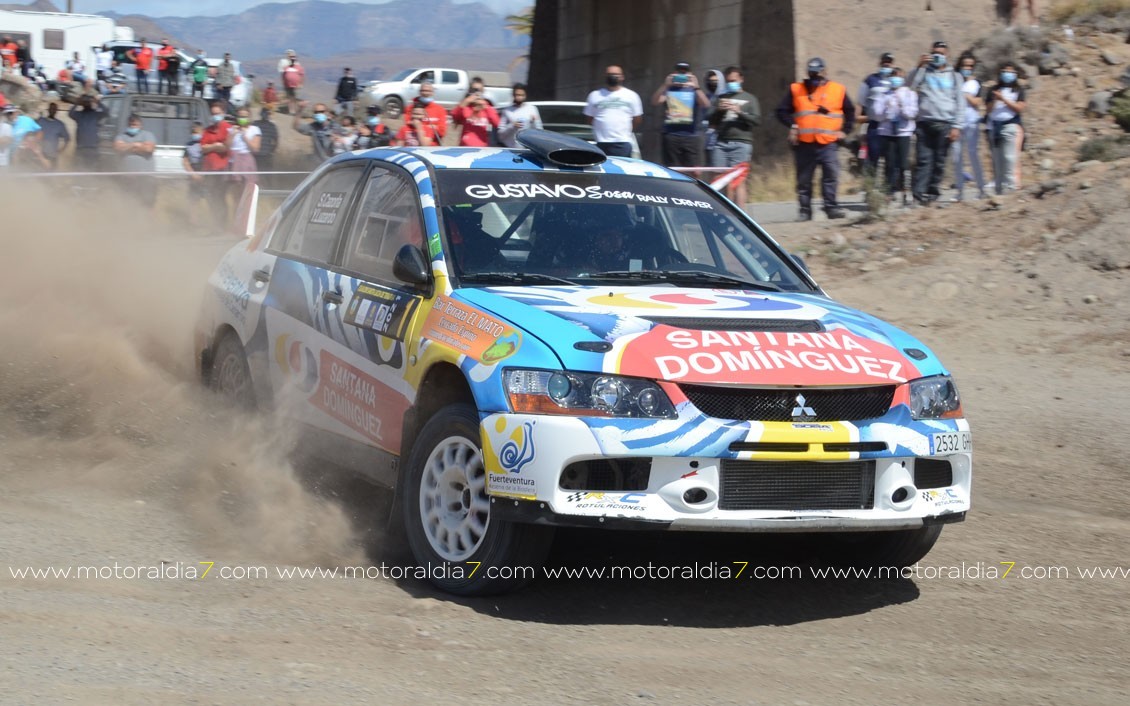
(163, 8)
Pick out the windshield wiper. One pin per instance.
(515, 278)
(677, 276)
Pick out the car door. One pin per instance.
(367, 385)
(449, 89)
(303, 296)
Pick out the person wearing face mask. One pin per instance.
(735, 114)
(435, 114)
(1005, 104)
(685, 104)
(714, 83)
(871, 99)
(970, 130)
(372, 132)
(819, 113)
(941, 113)
(320, 130)
(135, 147)
(615, 113)
(896, 117)
(215, 151)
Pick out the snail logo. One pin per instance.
(519, 450)
(297, 362)
(501, 348)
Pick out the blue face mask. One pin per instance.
(967, 72)
(733, 86)
(217, 118)
(320, 117)
(1008, 76)
(426, 100)
(131, 131)
(373, 121)
(885, 71)
(897, 81)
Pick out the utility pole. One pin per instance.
(70, 6)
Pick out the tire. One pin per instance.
(230, 375)
(896, 548)
(391, 108)
(446, 513)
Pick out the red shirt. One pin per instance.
(293, 76)
(143, 58)
(162, 54)
(215, 133)
(437, 116)
(270, 95)
(9, 52)
(407, 137)
(476, 126)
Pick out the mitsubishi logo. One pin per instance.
(802, 412)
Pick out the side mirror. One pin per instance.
(411, 266)
(801, 263)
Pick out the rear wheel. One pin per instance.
(447, 513)
(392, 107)
(896, 548)
(230, 375)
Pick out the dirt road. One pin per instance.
(111, 456)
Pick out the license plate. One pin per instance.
(950, 442)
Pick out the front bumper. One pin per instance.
(688, 459)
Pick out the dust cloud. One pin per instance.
(97, 384)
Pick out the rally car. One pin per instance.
(528, 338)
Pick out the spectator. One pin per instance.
(77, 67)
(1006, 102)
(103, 60)
(418, 131)
(172, 73)
(54, 133)
(684, 104)
(940, 117)
(193, 162)
(373, 133)
(8, 50)
(736, 112)
(344, 135)
(23, 58)
(86, 115)
(135, 147)
(6, 118)
(286, 61)
(199, 70)
(346, 92)
(818, 113)
(26, 140)
(320, 130)
(225, 79)
(293, 76)
(615, 113)
(163, 74)
(434, 112)
(516, 117)
(244, 140)
(214, 148)
(270, 97)
(970, 130)
(268, 141)
(898, 110)
(142, 58)
(1014, 16)
(116, 82)
(478, 117)
(871, 102)
(714, 82)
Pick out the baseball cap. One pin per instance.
(10, 108)
(816, 64)
(886, 56)
(940, 45)
(683, 66)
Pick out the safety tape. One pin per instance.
(16, 174)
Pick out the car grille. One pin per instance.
(702, 324)
(787, 486)
(777, 405)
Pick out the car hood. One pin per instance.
(711, 336)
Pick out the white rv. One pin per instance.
(53, 37)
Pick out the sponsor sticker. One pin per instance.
(625, 502)
(326, 209)
(384, 311)
(470, 331)
(512, 486)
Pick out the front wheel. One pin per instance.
(447, 513)
(896, 548)
(230, 374)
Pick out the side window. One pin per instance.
(121, 55)
(54, 39)
(388, 218)
(450, 77)
(309, 231)
(424, 76)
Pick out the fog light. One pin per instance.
(694, 496)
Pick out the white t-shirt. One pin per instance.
(105, 60)
(5, 150)
(612, 113)
(242, 137)
(999, 112)
(971, 87)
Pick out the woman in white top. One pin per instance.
(900, 108)
(1006, 104)
(243, 143)
(970, 130)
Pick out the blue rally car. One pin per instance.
(522, 339)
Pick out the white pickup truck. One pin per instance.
(450, 88)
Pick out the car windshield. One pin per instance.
(401, 75)
(516, 227)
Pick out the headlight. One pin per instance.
(935, 398)
(585, 394)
